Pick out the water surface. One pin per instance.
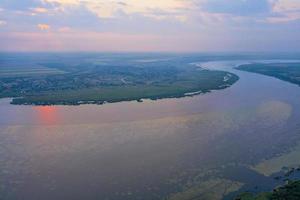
(148, 150)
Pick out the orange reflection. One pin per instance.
(47, 114)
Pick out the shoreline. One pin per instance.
(140, 100)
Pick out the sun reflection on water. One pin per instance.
(47, 114)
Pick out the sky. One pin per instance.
(150, 25)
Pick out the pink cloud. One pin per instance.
(95, 41)
(39, 10)
(64, 29)
(43, 27)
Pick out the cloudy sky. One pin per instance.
(150, 25)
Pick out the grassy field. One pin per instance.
(204, 81)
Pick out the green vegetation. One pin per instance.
(250, 196)
(290, 191)
(84, 79)
(289, 72)
(15, 72)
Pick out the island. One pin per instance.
(289, 72)
(82, 79)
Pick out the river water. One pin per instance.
(148, 150)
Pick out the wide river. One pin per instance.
(151, 150)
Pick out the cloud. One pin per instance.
(81, 41)
(285, 11)
(2, 22)
(259, 11)
(173, 24)
(64, 29)
(287, 6)
(39, 10)
(182, 10)
(43, 27)
(114, 8)
(76, 40)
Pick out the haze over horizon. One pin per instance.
(144, 26)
